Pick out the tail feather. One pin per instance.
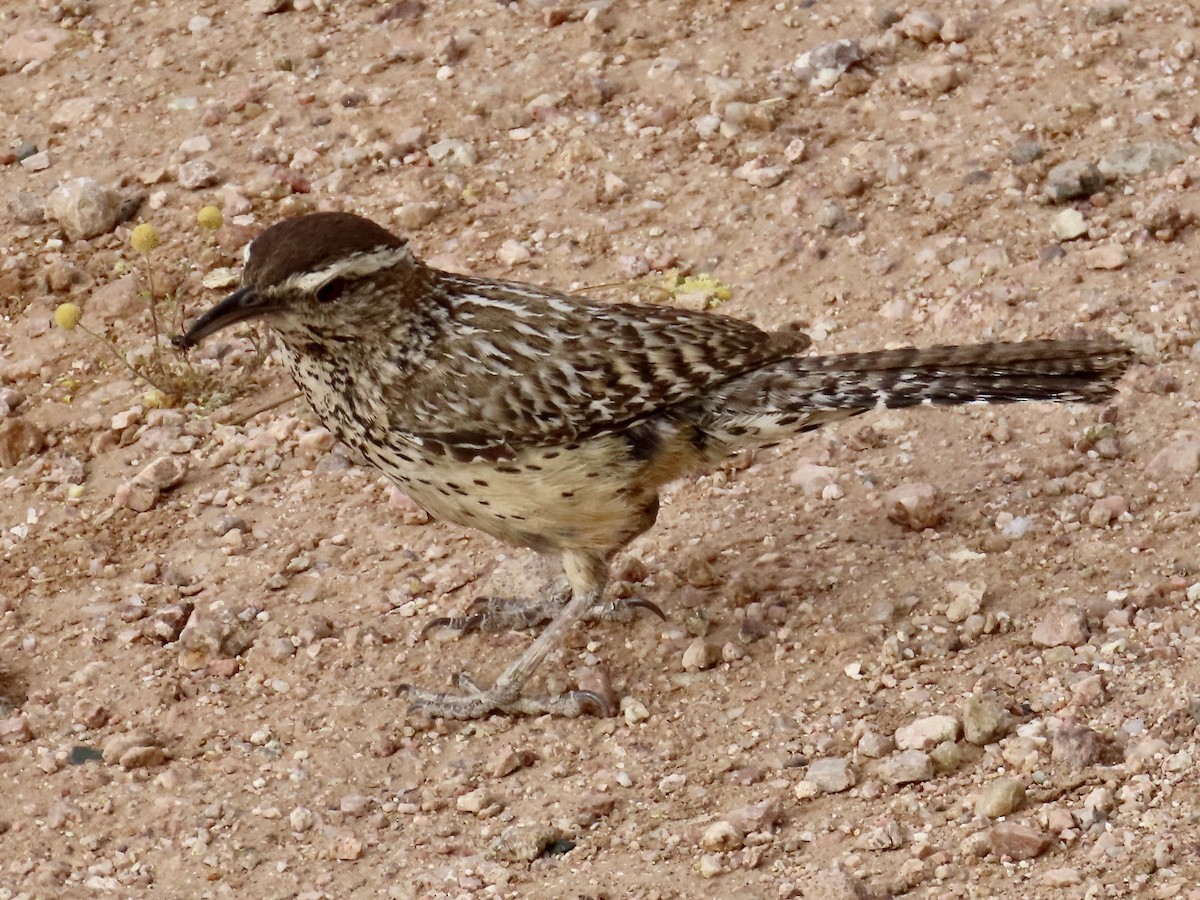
(1064, 371)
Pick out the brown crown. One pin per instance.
(310, 243)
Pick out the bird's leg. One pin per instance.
(587, 574)
(492, 615)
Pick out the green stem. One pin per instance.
(158, 363)
(117, 353)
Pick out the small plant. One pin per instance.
(69, 316)
(701, 291)
(169, 374)
(145, 239)
(710, 292)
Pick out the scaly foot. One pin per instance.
(475, 703)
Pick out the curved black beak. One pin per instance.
(239, 306)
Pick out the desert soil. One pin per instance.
(205, 612)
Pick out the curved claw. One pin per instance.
(647, 605)
(461, 624)
(584, 698)
(465, 682)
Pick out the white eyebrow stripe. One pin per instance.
(357, 266)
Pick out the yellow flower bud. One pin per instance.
(209, 218)
(67, 315)
(144, 238)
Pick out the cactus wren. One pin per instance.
(551, 421)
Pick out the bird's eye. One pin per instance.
(330, 290)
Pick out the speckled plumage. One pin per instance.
(550, 420)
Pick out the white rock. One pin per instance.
(196, 174)
(926, 733)
(1068, 225)
(699, 655)
(813, 479)
(452, 152)
(84, 208)
(194, 146)
(512, 253)
(921, 25)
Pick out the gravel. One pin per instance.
(915, 653)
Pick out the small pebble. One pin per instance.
(720, 836)
(1068, 225)
(916, 506)
(1000, 797)
(1106, 257)
(928, 732)
(906, 767)
(700, 655)
(1072, 179)
(84, 208)
(1064, 626)
(985, 720)
(1017, 841)
(831, 775)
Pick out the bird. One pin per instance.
(551, 421)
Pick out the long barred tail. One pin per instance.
(801, 393)
(1081, 371)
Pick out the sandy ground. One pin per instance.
(205, 613)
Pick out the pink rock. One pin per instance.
(1017, 840)
(32, 45)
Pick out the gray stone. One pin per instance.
(824, 64)
(832, 775)
(1075, 178)
(1154, 157)
(906, 768)
(27, 208)
(1024, 152)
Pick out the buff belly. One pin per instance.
(594, 495)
